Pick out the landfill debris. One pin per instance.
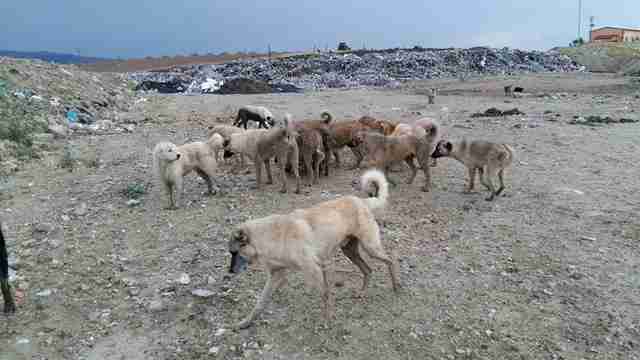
(202, 293)
(72, 116)
(494, 112)
(595, 120)
(379, 68)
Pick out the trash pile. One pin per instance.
(494, 112)
(384, 68)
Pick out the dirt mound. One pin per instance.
(610, 58)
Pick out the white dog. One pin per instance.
(172, 163)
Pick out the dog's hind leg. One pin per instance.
(471, 171)
(319, 160)
(412, 167)
(487, 182)
(267, 166)
(501, 179)
(372, 245)
(357, 153)
(276, 279)
(350, 250)
(179, 188)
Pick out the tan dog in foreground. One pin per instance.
(172, 163)
(487, 158)
(307, 240)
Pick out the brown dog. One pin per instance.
(343, 133)
(383, 151)
(261, 145)
(307, 240)
(487, 158)
(313, 142)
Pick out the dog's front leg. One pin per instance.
(276, 279)
(472, 178)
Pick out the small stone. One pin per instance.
(156, 305)
(65, 218)
(44, 293)
(202, 293)
(220, 332)
(214, 350)
(133, 202)
(184, 279)
(44, 228)
(81, 210)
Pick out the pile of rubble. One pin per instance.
(359, 68)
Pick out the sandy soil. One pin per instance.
(549, 271)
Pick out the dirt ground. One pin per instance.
(549, 271)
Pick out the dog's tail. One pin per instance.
(326, 116)
(510, 154)
(156, 157)
(376, 178)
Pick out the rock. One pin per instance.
(184, 279)
(44, 293)
(44, 228)
(156, 305)
(202, 293)
(58, 131)
(220, 332)
(81, 210)
(133, 202)
(214, 350)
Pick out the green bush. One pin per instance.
(20, 120)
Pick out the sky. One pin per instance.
(138, 28)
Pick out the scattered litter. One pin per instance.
(494, 112)
(574, 191)
(595, 120)
(587, 238)
(72, 116)
(184, 279)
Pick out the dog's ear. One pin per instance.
(238, 239)
(226, 142)
(448, 145)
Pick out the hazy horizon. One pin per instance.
(130, 29)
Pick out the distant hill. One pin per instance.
(58, 58)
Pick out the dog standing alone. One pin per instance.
(486, 157)
(259, 114)
(307, 240)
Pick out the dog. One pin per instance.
(383, 151)
(225, 131)
(259, 114)
(486, 157)
(342, 134)
(307, 240)
(261, 145)
(172, 163)
(313, 143)
(9, 304)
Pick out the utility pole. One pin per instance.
(579, 19)
(591, 26)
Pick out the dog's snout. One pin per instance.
(177, 155)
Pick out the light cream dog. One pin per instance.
(172, 163)
(307, 240)
(226, 131)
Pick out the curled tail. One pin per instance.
(375, 178)
(326, 117)
(510, 154)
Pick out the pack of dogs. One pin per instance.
(306, 240)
